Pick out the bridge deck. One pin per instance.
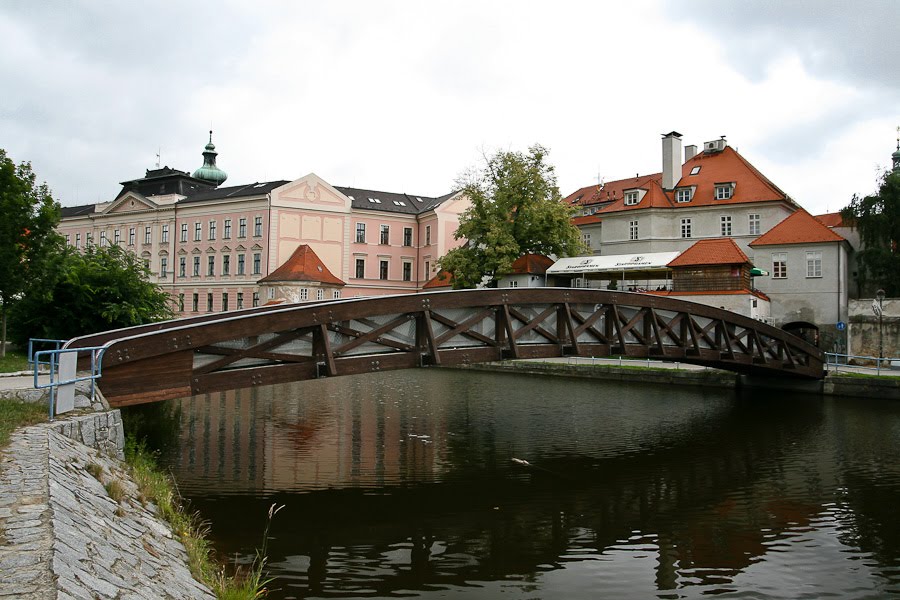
(282, 343)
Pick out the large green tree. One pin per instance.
(877, 217)
(28, 216)
(516, 209)
(90, 291)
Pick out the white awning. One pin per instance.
(615, 263)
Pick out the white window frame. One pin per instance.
(632, 198)
(753, 224)
(633, 231)
(813, 264)
(687, 228)
(725, 225)
(724, 191)
(683, 195)
(779, 265)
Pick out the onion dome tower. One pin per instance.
(209, 171)
(896, 154)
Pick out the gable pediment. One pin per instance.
(240, 248)
(313, 192)
(130, 202)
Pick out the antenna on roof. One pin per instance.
(158, 151)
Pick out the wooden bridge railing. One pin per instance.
(342, 337)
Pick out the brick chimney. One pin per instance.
(671, 158)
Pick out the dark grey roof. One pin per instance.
(163, 181)
(235, 191)
(76, 211)
(409, 204)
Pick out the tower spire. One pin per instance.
(896, 155)
(209, 171)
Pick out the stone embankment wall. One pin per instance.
(863, 328)
(63, 536)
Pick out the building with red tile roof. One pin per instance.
(443, 279)
(799, 228)
(529, 270)
(302, 278)
(716, 251)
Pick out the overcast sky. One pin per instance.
(404, 96)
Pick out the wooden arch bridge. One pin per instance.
(291, 342)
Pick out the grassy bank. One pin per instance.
(12, 362)
(155, 486)
(15, 414)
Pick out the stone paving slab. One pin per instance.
(62, 536)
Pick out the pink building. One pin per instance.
(209, 245)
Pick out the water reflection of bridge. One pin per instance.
(279, 344)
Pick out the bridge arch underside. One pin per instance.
(346, 337)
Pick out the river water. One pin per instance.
(436, 483)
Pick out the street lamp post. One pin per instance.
(879, 296)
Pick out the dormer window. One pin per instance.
(684, 194)
(632, 198)
(695, 170)
(724, 191)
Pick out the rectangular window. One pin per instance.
(196, 271)
(148, 235)
(117, 237)
(103, 240)
(210, 265)
(779, 265)
(195, 302)
(586, 239)
(242, 227)
(184, 232)
(255, 299)
(304, 294)
(180, 302)
(224, 300)
(198, 231)
(68, 239)
(240, 300)
(360, 268)
(683, 195)
(257, 263)
(686, 228)
(385, 234)
(88, 239)
(360, 233)
(382, 269)
(320, 294)
(182, 266)
(725, 221)
(631, 198)
(257, 227)
(163, 267)
(407, 236)
(226, 265)
(428, 235)
(723, 192)
(77, 240)
(131, 236)
(212, 230)
(753, 220)
(209, 302)
(164, 234)
(632, 230)
(240, 270)
(814, 264)
(407, 271)
(336, 294)
(427, 270)
(226, 235)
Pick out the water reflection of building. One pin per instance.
(295, 437)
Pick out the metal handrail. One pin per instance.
(53, 362)
(836, 360)
(34, 341)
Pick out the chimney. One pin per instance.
(690, 152)
(671, 158)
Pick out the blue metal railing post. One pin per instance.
(55, 381)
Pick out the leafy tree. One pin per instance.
(97, 290)
(516, 209)
(878, 218)
(28, 216)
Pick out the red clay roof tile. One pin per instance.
(716, 251)
(443, 279)
(799, 228)
(531, 264)
(303, 265)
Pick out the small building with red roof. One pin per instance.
(808, 271)
(302, 278)
(529, 270)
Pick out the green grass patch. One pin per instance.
(863, 375)
(12, 362)
(156, 487)
(15, 414)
